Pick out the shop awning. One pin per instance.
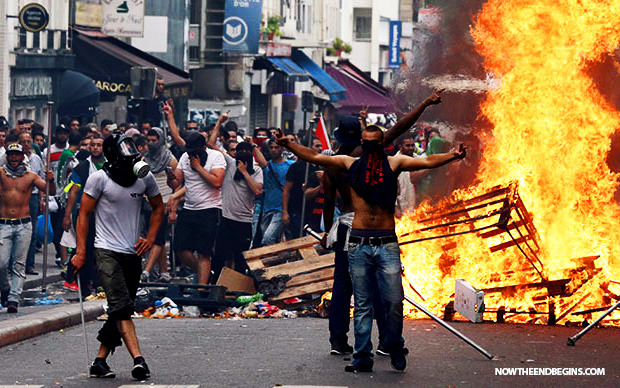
(328, 84)
(108, 61)
(287, 66)
(78, 95)
(362, 91)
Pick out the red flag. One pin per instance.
(321, 133)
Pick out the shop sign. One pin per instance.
(278, 49)
(32, 86)
(113, 87)
(123, 18)
(33, 17)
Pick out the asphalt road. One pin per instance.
(271, 352)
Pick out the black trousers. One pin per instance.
(120, 276)
(233, 237)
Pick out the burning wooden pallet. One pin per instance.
(291, 269)
(500, 218)
(497, 212)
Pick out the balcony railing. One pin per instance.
(46, 41)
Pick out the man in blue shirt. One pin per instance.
(274, 176)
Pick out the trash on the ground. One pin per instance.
(98, 296)
(47, 301)
(252, 307)
(245, 299)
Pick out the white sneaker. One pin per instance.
(144, 278)
(164, 277)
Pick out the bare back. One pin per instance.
(15, 194)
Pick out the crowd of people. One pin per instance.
(213, 193)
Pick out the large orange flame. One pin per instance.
(551, 134)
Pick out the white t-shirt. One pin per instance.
(201, 195)
(117, 213)
(54, 157)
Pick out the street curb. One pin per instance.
(32, 325)
(35, 283)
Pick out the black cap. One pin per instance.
(349, 131)
(4, 123)
(194, 141)
(244, 146)
(62, 128)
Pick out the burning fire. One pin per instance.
(551, 134)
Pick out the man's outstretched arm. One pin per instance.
(405, 123)
(310, 155)
(407, 163)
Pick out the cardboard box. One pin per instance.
(236, 281)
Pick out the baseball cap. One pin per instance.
(15, 147)
(194, 142)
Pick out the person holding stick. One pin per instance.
(373, 245)
(114, 194)
(16, 184)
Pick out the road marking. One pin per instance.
(22, 386)
(157, 386)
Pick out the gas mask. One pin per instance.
(124, 164)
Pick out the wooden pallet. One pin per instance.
(297, 261)
(500, 211)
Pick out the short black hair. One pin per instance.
(36, 127)
(152, 132)
(405, 136)
(231, 126)
(11, 138)
(75, 138)
(140, 141)
(106, 122)
(373, 128)
(84, 130)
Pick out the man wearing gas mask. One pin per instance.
(115, 194)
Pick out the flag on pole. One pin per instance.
(321, 133)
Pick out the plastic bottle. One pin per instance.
(245, 299)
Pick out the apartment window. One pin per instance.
(194, 13)
(363, 23)
(24, 113)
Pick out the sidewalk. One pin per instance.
(35, 319)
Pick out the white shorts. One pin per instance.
(68, 239)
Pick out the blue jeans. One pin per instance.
(367, 263)
(272, 226)
(34, 213)
(341, 296)
(14, 241)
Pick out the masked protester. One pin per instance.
(203, 172)
(162, 163)
(373, 250)
(242, 183)
(115, 194)
(16, 184)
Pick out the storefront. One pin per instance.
(108, 62)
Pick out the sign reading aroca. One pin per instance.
(123, 18)
(33, 17)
